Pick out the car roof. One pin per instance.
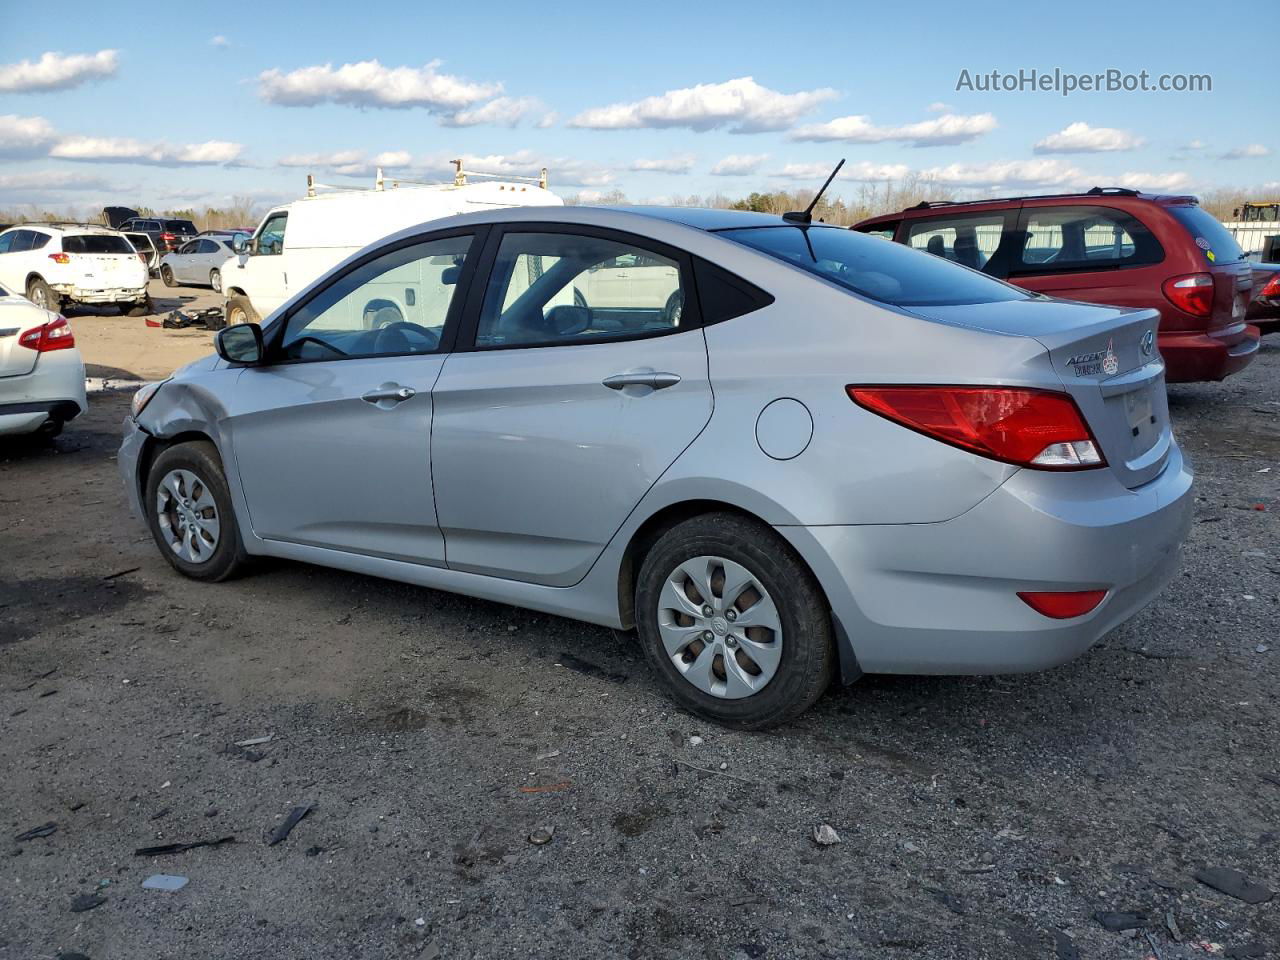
(704, 218)
(1105, 195)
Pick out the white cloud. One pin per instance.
(502, 112)
(949, 128)
(739, 164)
(549, 119)
(1082, 138)
(150, 152)
(56, 71)
(336, 159)
(679, 163)
(939, 107)
(349, 163)
(1249, 152)
(741, 104)
(863, 171)
(1196, 144)
(218, 40)
(50, 180)
(1014, 173)
(1149, 182)
(369, 84)
(25, 136)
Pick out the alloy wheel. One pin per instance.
(720, 627)
(188, 515)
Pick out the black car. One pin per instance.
(167, 233)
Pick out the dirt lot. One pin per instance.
(433, 734)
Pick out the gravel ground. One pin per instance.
(432, 735)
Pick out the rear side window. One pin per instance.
(185, 227)
(889, 272)
(1214, 240)
(1079, 239)
(23, 241)
(969, 241)
(886, 231)
(96, 243)
(724, 296)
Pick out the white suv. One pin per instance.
(56, 264)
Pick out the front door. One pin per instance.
(555, 419)
(262, 271)
(332, 437)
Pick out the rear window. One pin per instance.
(181, 226)
(890, 272)
(96, 243)
(1214, 240)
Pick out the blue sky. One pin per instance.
(243, 99)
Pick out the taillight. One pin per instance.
(1062, 605)
(168, 237)
(54, 335)
(1191, 294)
(59, 258)
(1272, 289)
(1031, 428)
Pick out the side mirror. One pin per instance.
(240, 243)
(449, 276)
(240, 344)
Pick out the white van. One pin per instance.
(298, 242)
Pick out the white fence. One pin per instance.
(1255, 237)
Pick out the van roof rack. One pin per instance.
(459, 180)
(1092, 192)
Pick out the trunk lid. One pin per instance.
(1109, 362)
(16, 316)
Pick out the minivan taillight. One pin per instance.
(1042, 429)
(54, 335)
(1192, 293)
(1272, 289)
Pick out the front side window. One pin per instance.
(96, 243)
(394, 305)
(270, 240)
(969, 241)
(6, 241)
(889, 272)
(1080, 239)
(559, 288)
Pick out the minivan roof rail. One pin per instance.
(1092, 192)
(459, 180)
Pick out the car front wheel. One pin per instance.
(215, 280)
(733, 622)
(189, 512)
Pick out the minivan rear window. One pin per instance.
(96, 243)
(889, 272)
(185, 227)
(1208, 233)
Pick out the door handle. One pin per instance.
(393, 393)
(654, 381)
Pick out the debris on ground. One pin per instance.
(824, 835)
(232, 750)
(1171, 924)
(86, 901)
(165, 848)
(291, 821)
(44, 830)
(1117, 920)
(121, 573)
(254, 741)
(547, 787)
(210, 318)
(695, 741)
(1064, 947)
(1234, 884)
(542, 836)
(164, 881)
(547, 754)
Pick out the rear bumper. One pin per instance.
(108, 295)
(53, 390)
(941, 598)
(1196, 356)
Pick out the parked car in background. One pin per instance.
(300, 241)
(117, 216)
(41, 373)
(166, 232)
(1113, 246)
(842, 455)
(146, 248)
(197, 261)
(62, 264)
(1264, 311)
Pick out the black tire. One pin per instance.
(674, 309)
(240, 310)
(166, 274)
(808, 656)
(42, 295)
(200, 458)
(215, 280)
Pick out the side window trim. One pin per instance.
(691, 318)
(273, 332)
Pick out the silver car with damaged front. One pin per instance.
(782, 452)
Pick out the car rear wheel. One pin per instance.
(733, 622)
(166, 274)
(42, 295)
(240, 310)
(189, 512)
(215, 280)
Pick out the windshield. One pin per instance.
(96, 243)
(875, 267)
(1213, 239)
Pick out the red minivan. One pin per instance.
(1113, 246)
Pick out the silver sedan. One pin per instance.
(784, 454)
(198, 261)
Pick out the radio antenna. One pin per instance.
(806, 215)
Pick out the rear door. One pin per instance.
(553, 420)
(103, 260)
(261, 271)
